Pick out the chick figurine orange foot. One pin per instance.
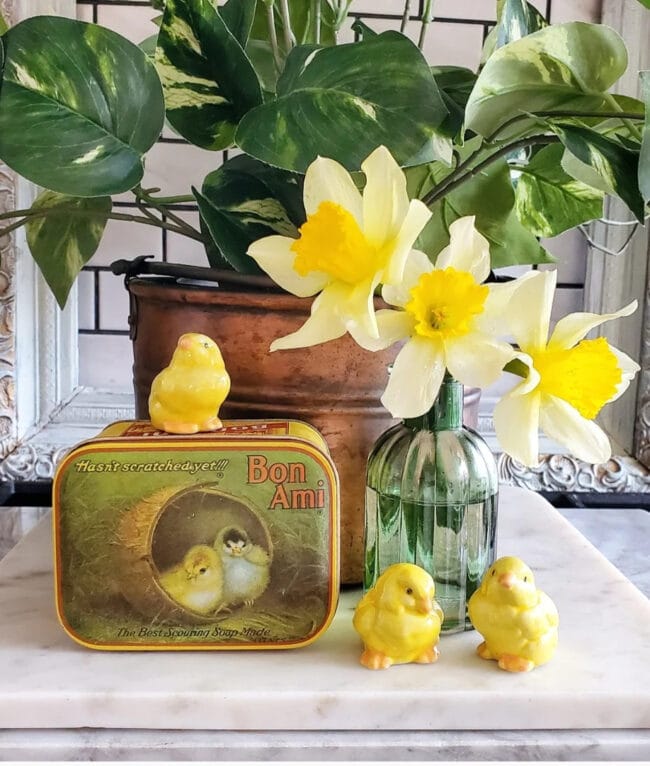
(186, 396)
(399, 619)
(518, 622)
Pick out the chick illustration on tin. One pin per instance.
(518, 622)
(197, 582)
(186, 396)
(399, 619)
(246, 566)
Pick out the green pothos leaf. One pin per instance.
(245, 200)
(238, 16)
(616, 165)
(344, 101)
(564, 66)
(517, 19)
(548, 200)
(3, 25)
(208, 80)
(64, 241)
(489, 197)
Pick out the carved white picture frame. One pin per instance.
(43, 411)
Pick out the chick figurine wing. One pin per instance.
(197, 582)
(246, 566)
(186, 396)
(399, 620)
(518, 622)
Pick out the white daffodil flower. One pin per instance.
(349, 245)
(569, 379)
(450, 319)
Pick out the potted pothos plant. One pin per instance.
(529, 145)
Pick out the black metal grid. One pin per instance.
(95, 326)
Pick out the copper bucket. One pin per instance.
(334, 386)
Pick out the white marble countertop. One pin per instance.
(595, 692)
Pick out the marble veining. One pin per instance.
(599, 679)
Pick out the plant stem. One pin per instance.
(427, 18)
(405, 16)
(28, 215)
(289, 37)
(563, 113)
(273, 38)
(142, 194)
(315, 20)
(454, 180)
(619, 110)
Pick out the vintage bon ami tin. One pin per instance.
(226, 540)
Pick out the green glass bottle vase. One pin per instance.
(431, 500)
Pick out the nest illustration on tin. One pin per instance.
(192, 555)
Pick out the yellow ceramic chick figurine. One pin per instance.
(518, 622)
(197, 582)
(186, 396)
(399, 619)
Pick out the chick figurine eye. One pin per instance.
(399, 624)
(518, 622)
(186, 396)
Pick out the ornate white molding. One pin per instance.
(563, 473)
(32, 462)
(8, 429)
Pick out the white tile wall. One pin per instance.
(105, 360)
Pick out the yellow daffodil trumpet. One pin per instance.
(349, 245)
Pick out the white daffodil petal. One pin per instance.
(529, 312)
(572, 329)
(531, 381)
(393, 326)
(629, 368)
(415, 380)
(516, 423)
(468, 250)
(327, 181)
(385, 199)
(416, 219)
(477, 359)
(417, 263)
(359, 309)
(565, 425)
(494, 318)
(325, 322)
(274, 255)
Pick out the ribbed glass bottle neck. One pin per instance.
(446, 414)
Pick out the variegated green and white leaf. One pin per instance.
(455, 84)
(64, 241)
(78, 129)
(517, 19)
(564, 66)
(548, 201)
(644, 159)
(344, 101)
(238, 16)
(208, 80)
(615, 165)
(245, 200)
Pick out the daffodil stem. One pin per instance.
(405, 16)
(457, 178)
(427, 18)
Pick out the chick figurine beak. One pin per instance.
(518, 622)
(398, 619)
(186, 396)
